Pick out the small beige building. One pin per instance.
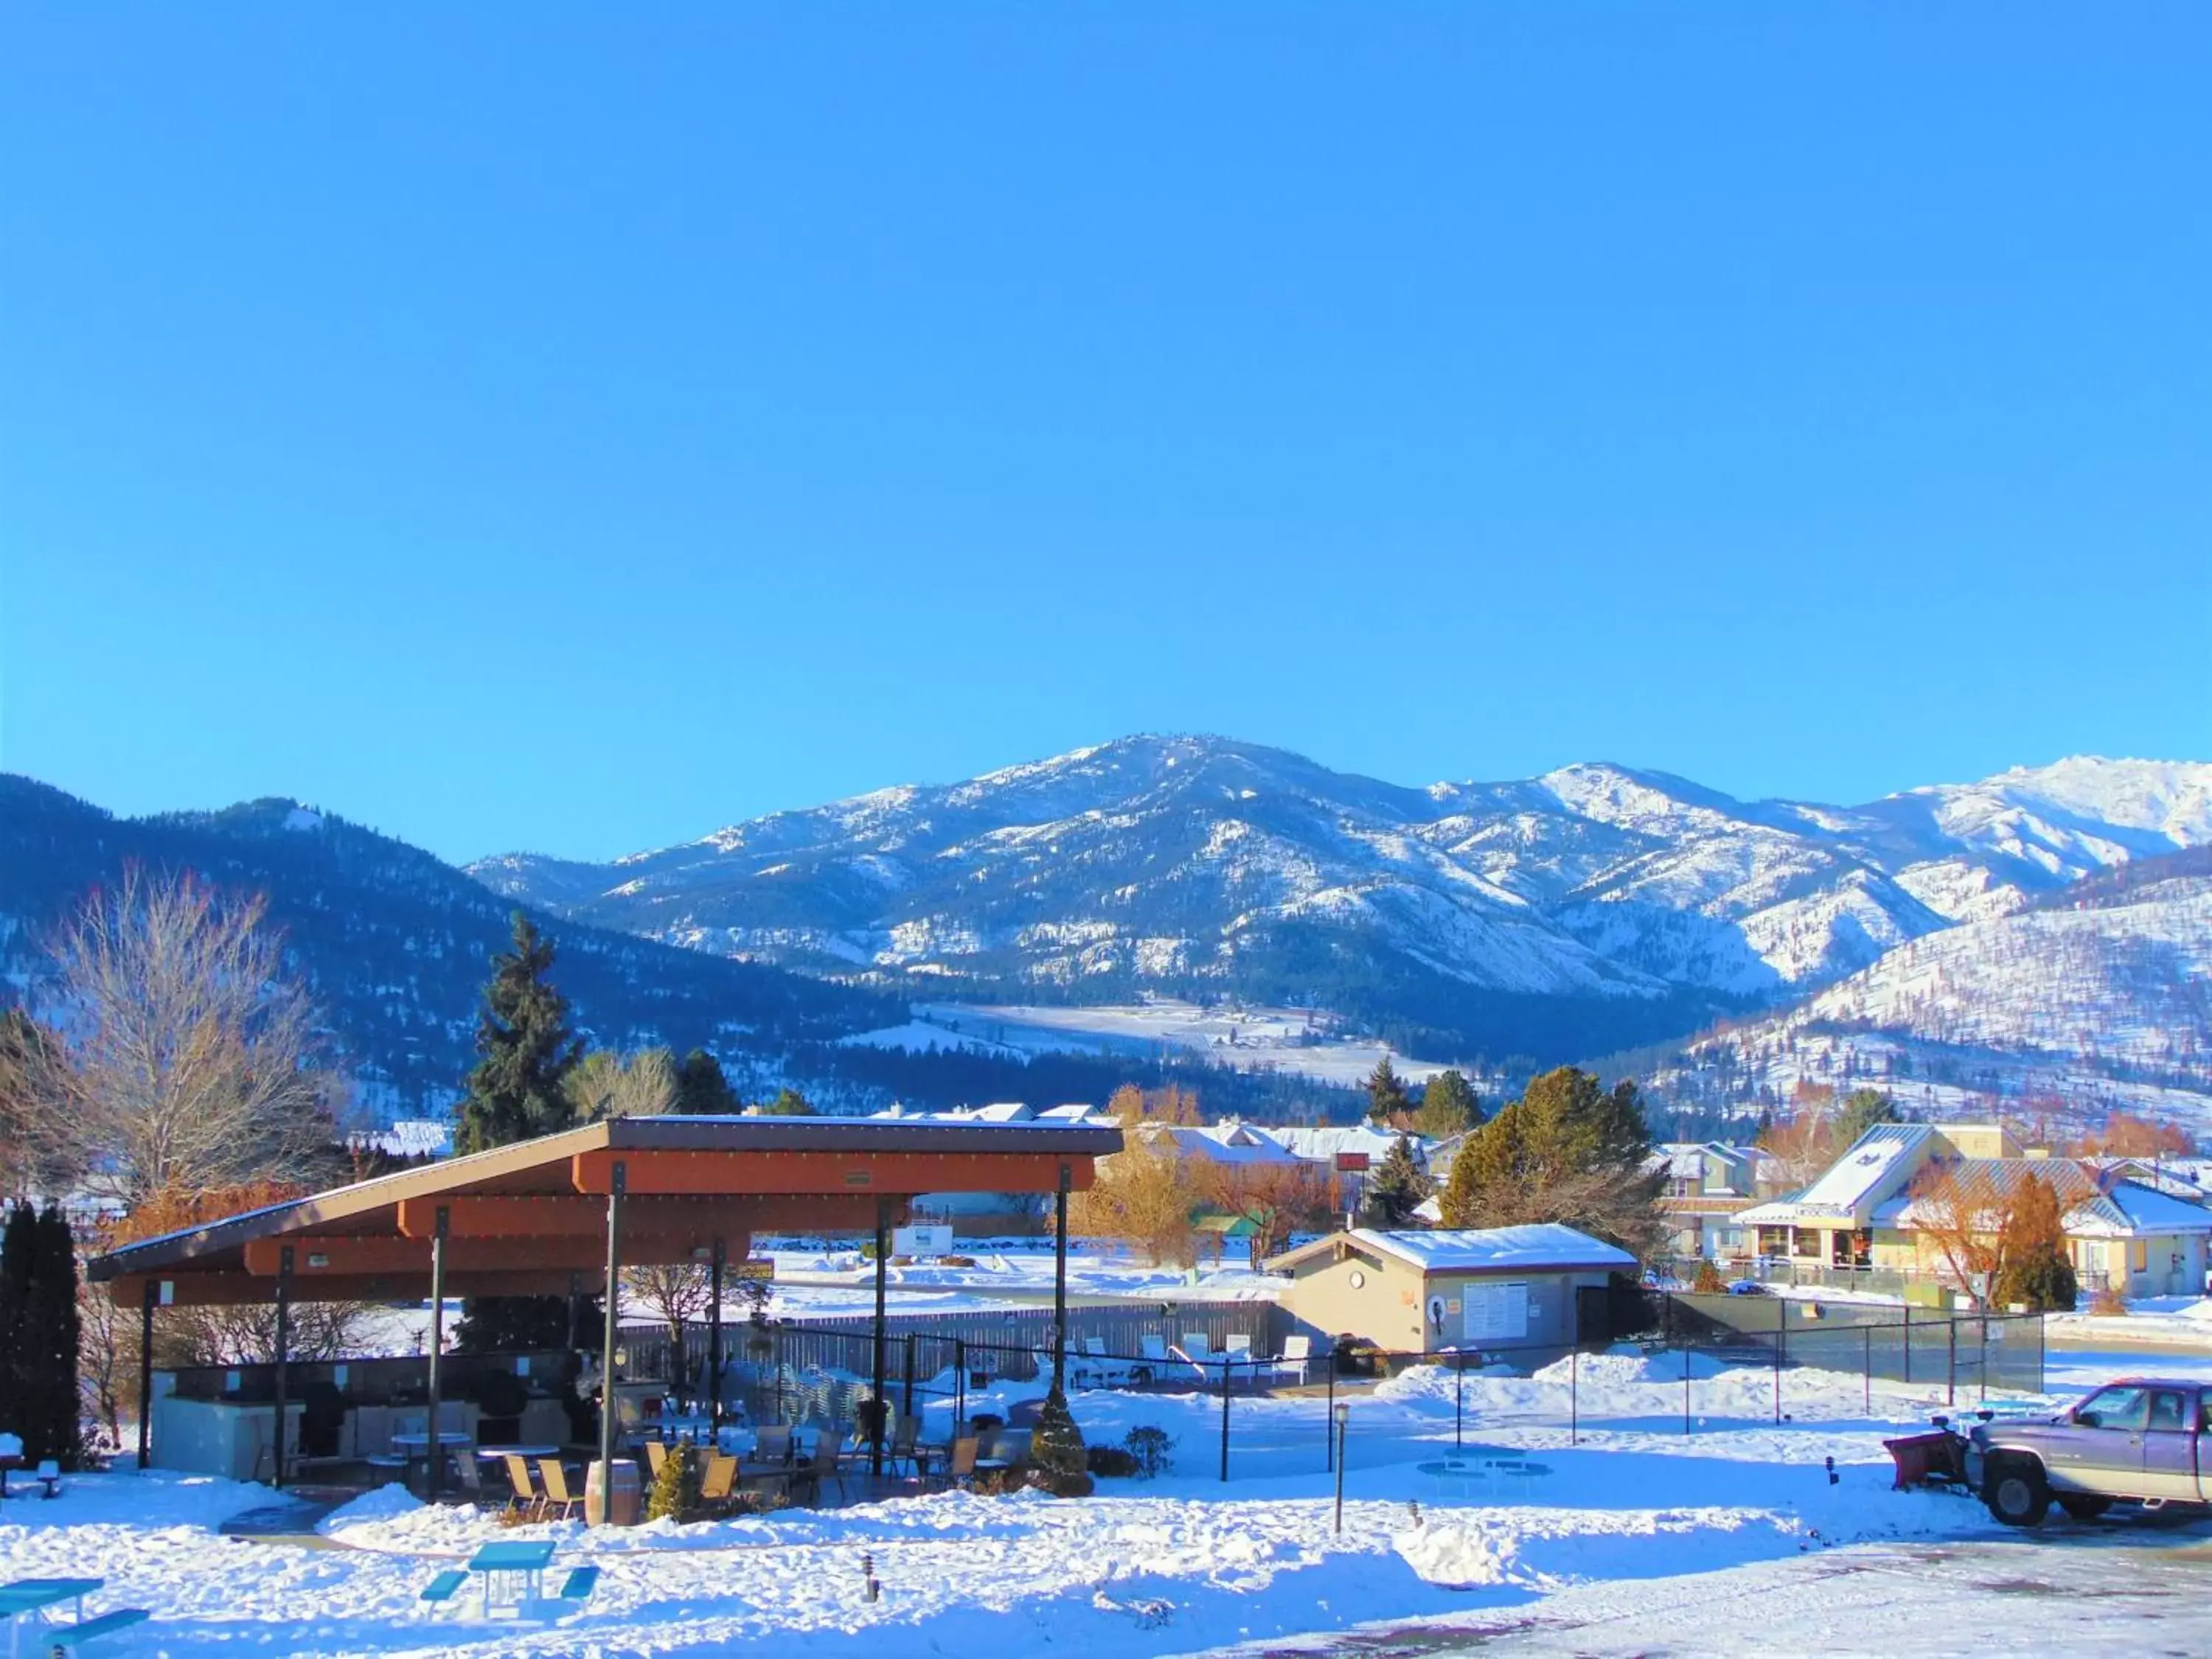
(1506, 1290)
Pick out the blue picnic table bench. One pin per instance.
(31, 1600)
(514, 1576)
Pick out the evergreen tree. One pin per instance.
(1396, 1189)
(515, 1093)
(51, 1336)
(525, 1050)
(703, 1089)
(1567, 1151)
(1388, 1103)
(1861, 1109)
(1056, 1449)
(1448, 1107)
(19, 1255)
(2033, 1267)
(788, 1103)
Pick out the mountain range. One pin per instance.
(1591, 907)
(1594, 911)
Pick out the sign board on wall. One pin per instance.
(1496, 1312)
(922, 1240)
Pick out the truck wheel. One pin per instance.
(2017, 1494)
(2082, 1506)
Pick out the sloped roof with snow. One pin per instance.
(1220, 1143)
(1324, 1143)
(1543, 1247)
(2093, 1207)
(1874, 1168)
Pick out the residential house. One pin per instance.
(1709, 1185)
(1867, 1211)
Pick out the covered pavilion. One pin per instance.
(563, 1214)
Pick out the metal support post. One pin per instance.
(608, 1335)
(882, 1406)
(433, 1477)
(1059, 1281)
(1329, 1423)
(1951, 1364)
(283, 1350)
(146, 1373)
(721, 1259)
(1225, 1365)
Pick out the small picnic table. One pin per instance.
(28, 1596)
(521, 1565)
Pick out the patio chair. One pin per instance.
(902, 1449)
(823, 1466)
(720, 1481)
(526, 1501)
(775, 1443)
(1155, 1351)
(656, 1455)
(1297, 1354)
(1196, 1346)
(960, 1463)
(558, 1493)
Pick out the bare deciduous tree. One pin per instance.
(676, 1292)
(188, 1057)
(1145, 1195)
(604, 1084)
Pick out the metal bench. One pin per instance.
(579, 1584)
(67, 1639)
(444, 1587)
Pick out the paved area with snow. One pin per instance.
(1584, 1555)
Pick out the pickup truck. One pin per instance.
(2139, 1440)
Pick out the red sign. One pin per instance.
(1351, 1163)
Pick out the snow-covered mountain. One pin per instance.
(1191, 864)
(2105, 1002)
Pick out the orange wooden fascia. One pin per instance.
(893, 1175)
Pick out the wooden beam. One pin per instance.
(233, 1289)
(342, 1256)
(900, 1174)
(586, 1217)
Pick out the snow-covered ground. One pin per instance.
(1180, 1565)
(840, 1281)
(1249, 1039)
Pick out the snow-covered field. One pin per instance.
(1180, 1565)
(1249, 1039)
(840, 1281)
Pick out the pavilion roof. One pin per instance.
(531, 1218)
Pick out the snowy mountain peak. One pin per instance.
(1200, 864)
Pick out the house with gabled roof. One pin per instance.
(1863, 1210)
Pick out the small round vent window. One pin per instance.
(1359, 1280)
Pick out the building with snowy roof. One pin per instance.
(1510, 1290)
(1873, 1208)
(1708, 1185)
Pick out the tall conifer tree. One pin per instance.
(1396, 1189)
(526, 1049)
(1388, 1103)
(50, 1336)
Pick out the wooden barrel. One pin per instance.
(624, 1507)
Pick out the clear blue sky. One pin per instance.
(578, 428)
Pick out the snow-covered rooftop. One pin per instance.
(1481, 1249)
